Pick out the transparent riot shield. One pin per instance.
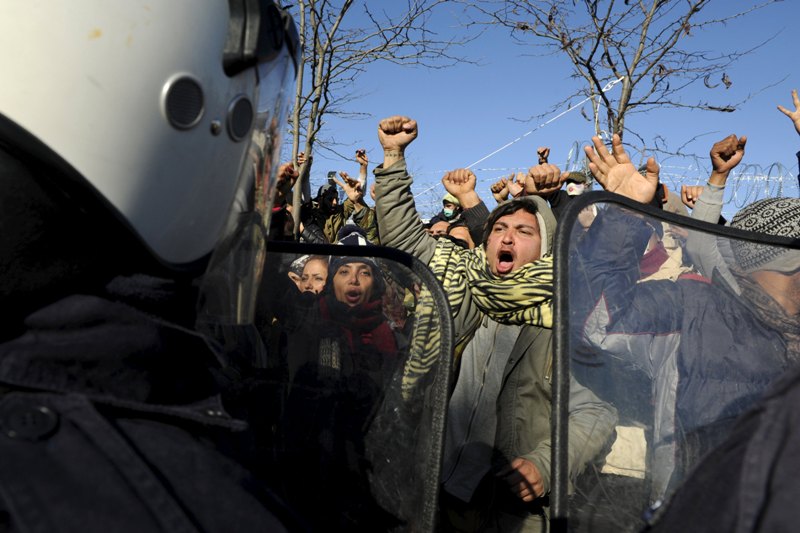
(359, 344)
(681, 326)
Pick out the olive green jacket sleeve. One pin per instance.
(399, 224)
(591, 426)
(368, 221)
(400, 227)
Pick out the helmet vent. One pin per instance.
(184, 103)
(240, 118)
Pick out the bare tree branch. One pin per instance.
(643, 40)
(339, 39)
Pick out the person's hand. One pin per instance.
(500, 190)
(287, 176)
(615, 172)
(301, 159)
(397, 132)
(516, 184)
(361, 157)
(372, 192)
(587, 216)
(794, 115)
(459, 182)
(287, 173)
(544, 179)
(543, 152)
(725, 155)
(690, 194)
(524, 479)
(351, 187)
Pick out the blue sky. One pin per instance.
(468, 111)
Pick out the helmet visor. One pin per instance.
(227, 296)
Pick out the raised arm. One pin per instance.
(544, 179)
(500, 190)
(619, 315)
(794, 116)
(461, 184)
(725, 155)
(399, 223)
(355, 207)
(363, 161)
(615, 172)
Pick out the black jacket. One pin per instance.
(112, 419)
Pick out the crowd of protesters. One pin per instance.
(172, 360)
(658, 297)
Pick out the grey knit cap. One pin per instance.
(772, 216)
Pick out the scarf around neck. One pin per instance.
(772, 314)
(523, 297)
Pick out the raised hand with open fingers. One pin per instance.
(793, 115)
(351, 187)
(615, 172)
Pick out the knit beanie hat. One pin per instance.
(771, 216)
(352, 235)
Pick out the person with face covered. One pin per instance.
(496, 473)
(451, 211)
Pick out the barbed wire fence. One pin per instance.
(746, 184)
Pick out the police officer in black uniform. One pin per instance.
(138, 149)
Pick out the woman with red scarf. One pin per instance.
(345, 354)
(355, 334)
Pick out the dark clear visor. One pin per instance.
(358, 350)
(674, 331)
(228, 291)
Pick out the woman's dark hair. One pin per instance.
(507, 208)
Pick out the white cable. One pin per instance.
(607, 88)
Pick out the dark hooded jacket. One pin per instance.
(113, 418)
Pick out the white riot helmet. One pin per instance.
(170, 110)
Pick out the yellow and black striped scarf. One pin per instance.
(524, 297)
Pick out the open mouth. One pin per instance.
(505, 262)
(352, 297)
